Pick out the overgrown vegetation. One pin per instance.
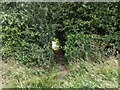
(28, 29)
(86, 31)
(88, 27)
(25, 33)
(80, 75)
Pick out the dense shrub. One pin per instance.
(85, 30)
(89, 18)
(25, 32)
(90, 47)
(85, 24)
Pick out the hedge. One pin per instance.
(83, 21)
(90, 47)
(84, 29)
(25, 33)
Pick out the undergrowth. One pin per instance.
(84, 74)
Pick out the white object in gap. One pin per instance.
(55, 45)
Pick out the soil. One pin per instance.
(62, 72)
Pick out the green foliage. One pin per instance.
(85, 25)
(99, 18)
(81, 74)
(90, 46)
(87, 30)
(90, 32)
(25, 32)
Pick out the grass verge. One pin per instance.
(79, 75)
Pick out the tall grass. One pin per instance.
(81, 74)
